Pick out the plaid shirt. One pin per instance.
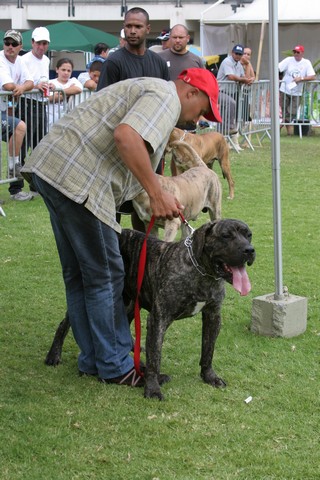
(79, 157)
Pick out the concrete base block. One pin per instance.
(286, 317)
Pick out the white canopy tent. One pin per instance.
(299, 23)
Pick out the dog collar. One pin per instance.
(183, 136)
(188, 244)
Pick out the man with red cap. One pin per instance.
(296, 71)
(101, 154)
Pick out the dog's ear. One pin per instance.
(202, 234)
(211, 229)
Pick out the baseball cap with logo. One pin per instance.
(298, 48)
(164, 35)
(14, 35)
(238, 49)
(207, 83)
(41, 34)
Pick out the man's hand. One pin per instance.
(18, 91)
(165, 206)
(134, 154)
(248, 81)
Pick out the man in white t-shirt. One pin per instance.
(15, 79)
(34, 108)
(296, 70)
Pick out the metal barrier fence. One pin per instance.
(302, 111)
(244, 109)
(252, 106)
(254, 112)
(38, 113)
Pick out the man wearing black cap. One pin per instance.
(232, 70)
(164, 37)
(296, 70)
(16, 79)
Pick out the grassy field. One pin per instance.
(57, 426)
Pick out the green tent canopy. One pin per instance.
(72, 37)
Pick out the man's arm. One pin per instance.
(307, 78)
(236, 78)
(109, 74)
(18, 90)
(134, 153)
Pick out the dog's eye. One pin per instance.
(226, 236)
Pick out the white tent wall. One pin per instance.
(219, 39)
(300, 33)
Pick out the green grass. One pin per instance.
(57, 426)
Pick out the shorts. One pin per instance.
(8, 124)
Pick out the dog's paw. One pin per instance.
(52, 359)
(212, 379)
(153, 391)
(157, 395)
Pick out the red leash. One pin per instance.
(137, 319)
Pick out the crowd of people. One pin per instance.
(131, 58)
(101, 155)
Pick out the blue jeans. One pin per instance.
(93, 274)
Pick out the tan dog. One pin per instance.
(195, 189)
(209, 146)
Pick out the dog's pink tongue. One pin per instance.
(241, 280)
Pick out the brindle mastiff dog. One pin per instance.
(181, 279)
(209, 146)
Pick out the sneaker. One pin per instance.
(16, 172)
(131, 379)
(22, 196)
(34, 193)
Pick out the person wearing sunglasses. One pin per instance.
(296, 70)
(16, 79)
(231, 70)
